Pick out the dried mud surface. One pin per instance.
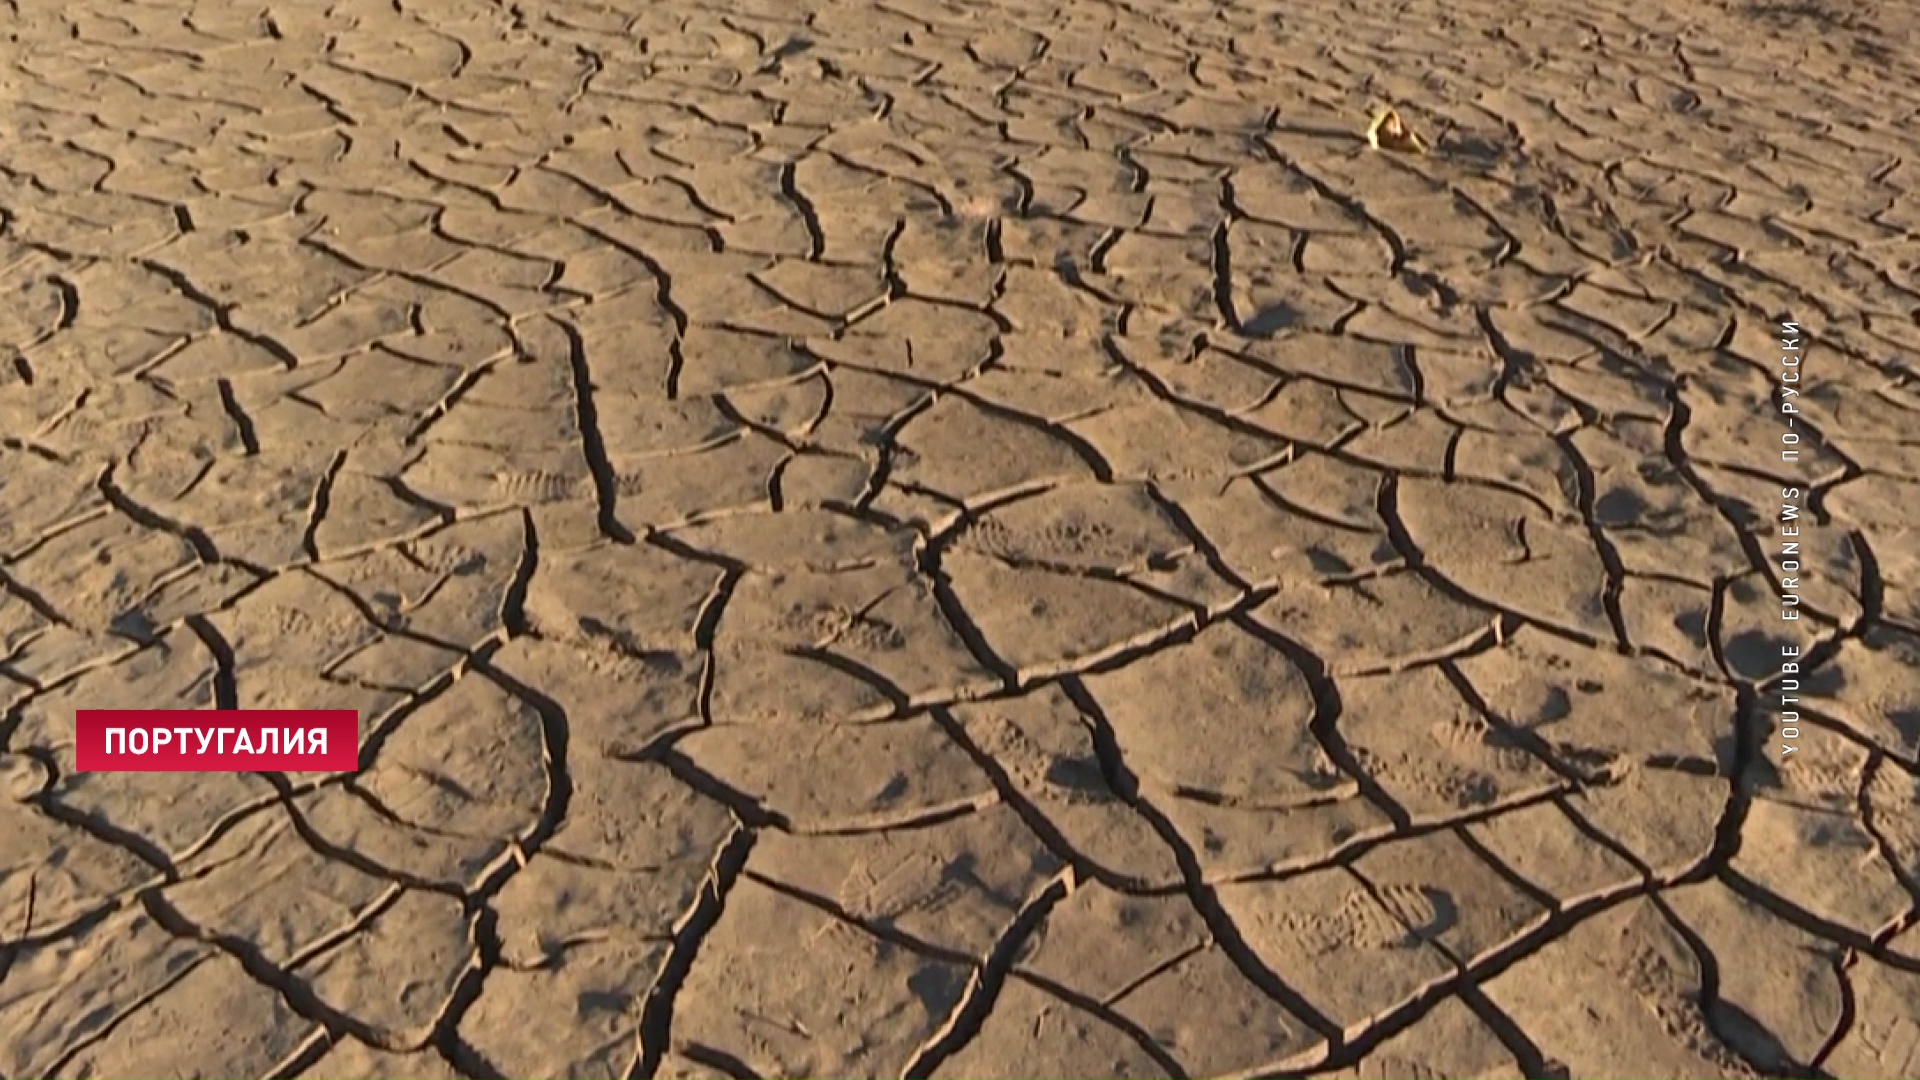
(899, 538)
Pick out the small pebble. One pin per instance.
(22, 777)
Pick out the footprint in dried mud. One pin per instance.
(1893, 809)
(602, 656)
(832, 625)
(446, 558)
(1472, 733)
(1653, 980)
(1079, 527)
(909, 887)
(1392, 917)
(1059, 542)
(535, 487)
(1074, 780)
(1463, 788)
(1395, 1067)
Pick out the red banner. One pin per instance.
(241, 740)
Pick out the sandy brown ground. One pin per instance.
(879, 538)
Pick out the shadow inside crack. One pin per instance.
(938, 986)
(790, 48)
(1442, 915)
(1326, 562)
(1472, 149)
(1693, 623)
(1311, 131)
(1270, 321)
(1747, 1034)
(135, 625)
(1755, 654)
(1867, 42)
(1620, 506)
(1873, 52)
(1081, 776)
(1827, 680)
(1907, 723)
(608, 1002)
(1793, 15)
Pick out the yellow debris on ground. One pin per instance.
(1389, 132)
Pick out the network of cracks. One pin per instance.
(901, 538)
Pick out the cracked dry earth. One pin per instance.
(938, 539)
